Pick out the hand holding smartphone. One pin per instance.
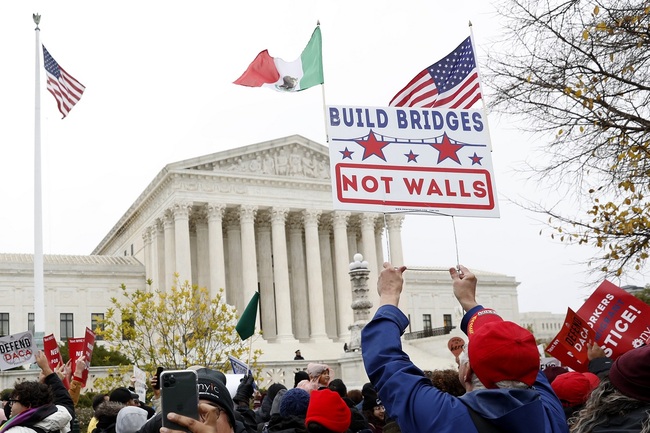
(180, 395)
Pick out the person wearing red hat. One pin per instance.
(621, 402)
(573, 389)
(506, 391)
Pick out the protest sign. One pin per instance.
(547, 362)
(570, 344)
(238, 366)
(621, 322)
(89, 345)
(455, 345)
(17, 350)
(140, 383)
(53, 355)
(392, 159)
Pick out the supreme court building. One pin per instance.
(254, 218)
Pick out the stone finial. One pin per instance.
(358, 263)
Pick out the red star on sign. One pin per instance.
(447, 149)
(372, 146)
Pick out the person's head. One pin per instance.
(374, 411)
(630, 373)
(327, 412)
(572, 388)
(213, 391)
(29, 394)
(446, 381)
(130, 419)
(319, 373)
(299, 376)
(338, 386)
(99, 399)
(294, 403)
(298, 352)
(500, 354)
(124, 395)
(553, 372)
(355, 395)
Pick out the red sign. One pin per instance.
(89, 344)
(455, 345)
(620, 321)
(570, 345)
(53, 355)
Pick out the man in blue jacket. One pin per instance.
(506, 391)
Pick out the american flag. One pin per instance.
(452, 82)
(64, 87)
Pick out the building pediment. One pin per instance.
(294, 157)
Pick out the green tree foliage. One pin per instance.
(578, 72)
(177, 328)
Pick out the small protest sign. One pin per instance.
(16, 350)
(455, 345)
(140, 383)
(620, 321)
(53, 355)
(570, 344)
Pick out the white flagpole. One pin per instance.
(39, 285)
(480, 85)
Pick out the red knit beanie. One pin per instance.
(328, 409)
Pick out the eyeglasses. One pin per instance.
(12, 401)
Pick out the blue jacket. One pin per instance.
(418, 406)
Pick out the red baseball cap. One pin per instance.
(501, 350)
(572, 388)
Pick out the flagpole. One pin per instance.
(39, 285)
(322, 88)
(480, 85)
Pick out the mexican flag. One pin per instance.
(277, 74)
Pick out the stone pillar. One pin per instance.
(281, 274)
(265, 274)
(354, 227)
(248, 255)
(216, 255)
(153, 256)
(170, 250)
(146, 239)
(202, 249)
(379, 246)
(314, 275)
(327, 270)
(370, 251)
(343, 288)
(182, 242)
(159, 276)
(234, 293)
(361, 305)
(299, 303)
(395, 238)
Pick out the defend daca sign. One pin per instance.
(16, 350)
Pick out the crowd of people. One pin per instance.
(497, 387)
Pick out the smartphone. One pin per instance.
(158, 371)
(180, 394)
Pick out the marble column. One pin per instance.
(281, 274)
(314, 275)
(159, 265)
(370, 253)
(216, 255)
(146, 239)
(379, 246)
(248, 255)
(265, 274)
(234, 281)
(327, 271)
(170, 250)
(395, 238)
(299, 302)
(202, 250)
(353, 230)
(153, 256)
(182, 241)
(343, 286)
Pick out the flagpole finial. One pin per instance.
(318, 23)
(37, 20)
(470, 23)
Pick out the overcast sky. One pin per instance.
(158, 79)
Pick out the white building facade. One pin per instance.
(255, 218)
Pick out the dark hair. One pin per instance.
(339, 387)
(446, 381)
(98, 399)
(355, 395)
(314, 427)
(32, 394)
